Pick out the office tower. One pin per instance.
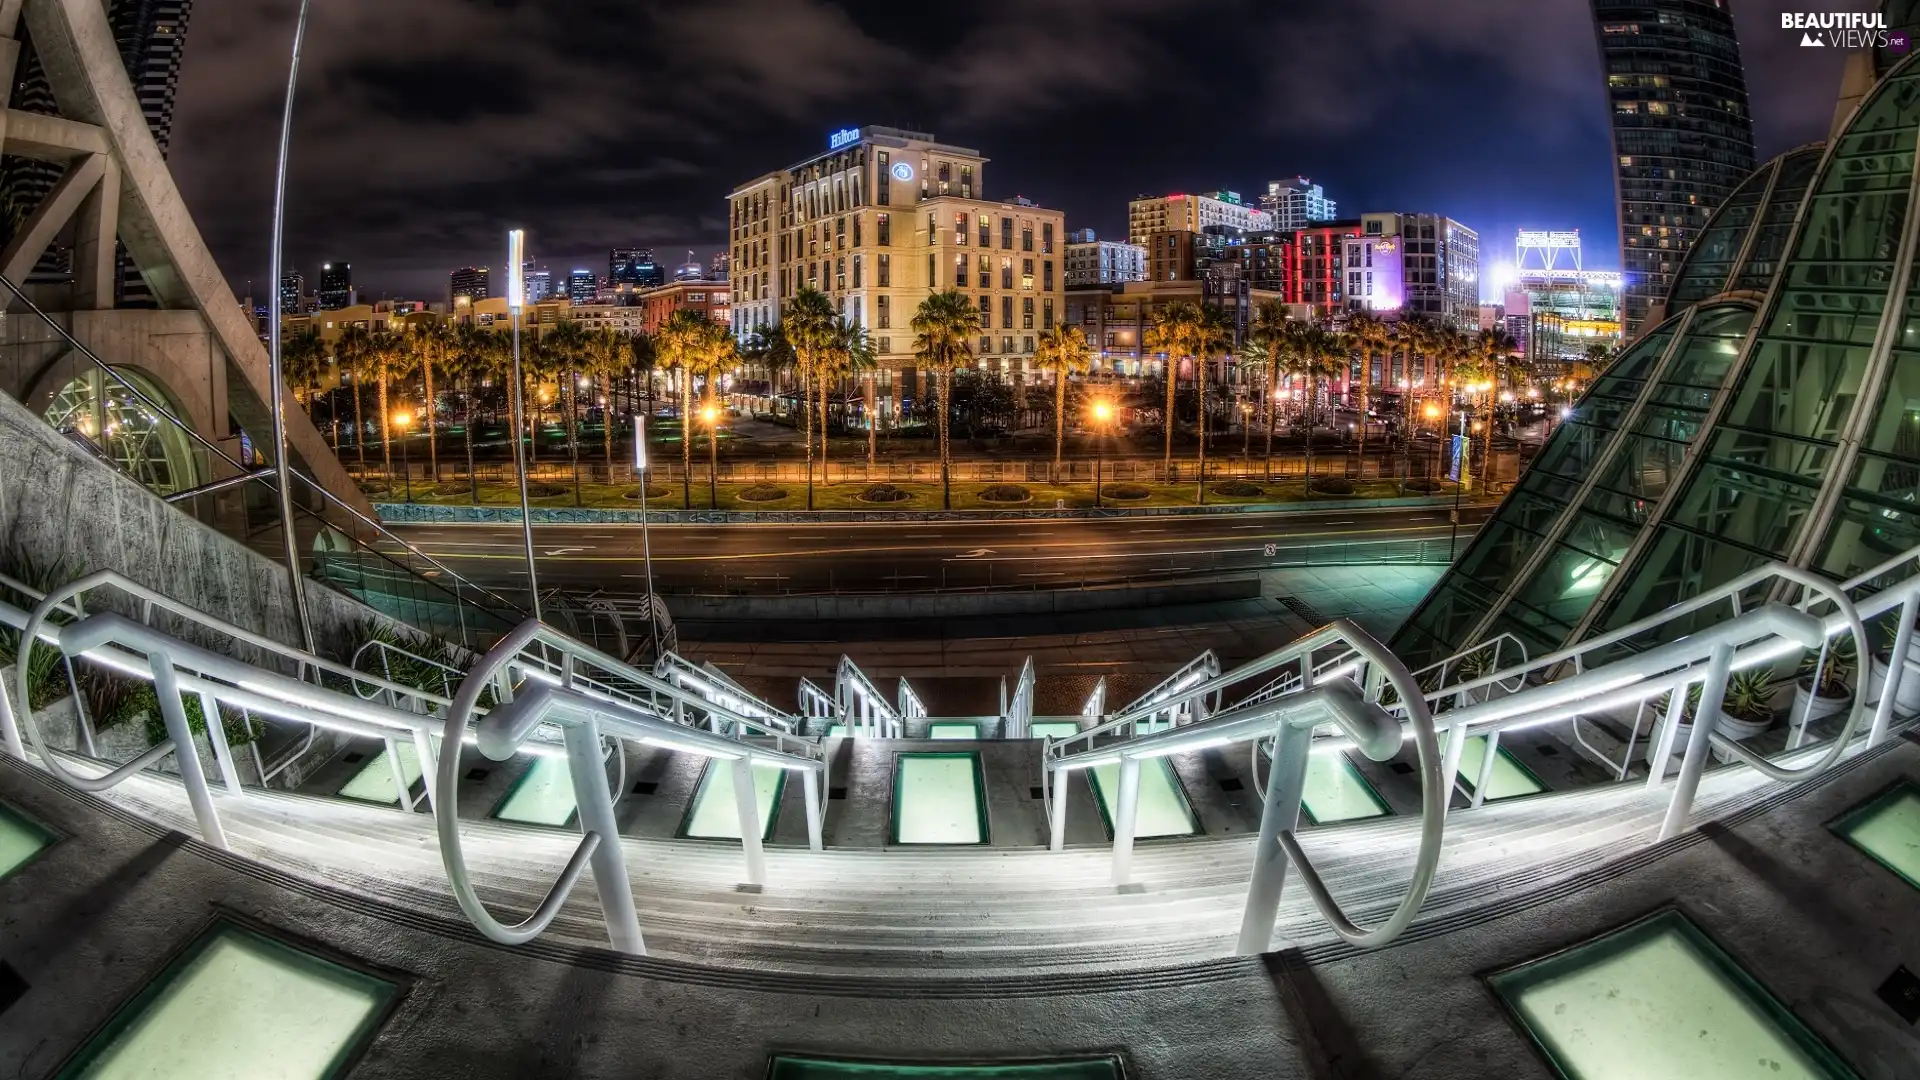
(1296, 204)
(472, 282)
(336, 285)
(581, 287)
(1682, 135)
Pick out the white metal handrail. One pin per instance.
(1291, 719)
(911, 707)
(1018, 723)
(583, 718)
(866, 710)
(713, 686)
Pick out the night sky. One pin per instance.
(425, 128)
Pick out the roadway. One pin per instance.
(786, 557)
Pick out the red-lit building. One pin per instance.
(1314, 276)
(713, 299)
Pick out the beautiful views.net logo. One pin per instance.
(1845, 30)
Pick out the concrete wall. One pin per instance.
(958, 605)
(58, 504)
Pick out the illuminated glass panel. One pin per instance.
(1054, 729)
(713, 814)
(1163, 809)
(374, 782)
(20, 840)
(1335, 791)
(238, 1005)
(953, 729)
(939, 799)
(1887, 827)
(542, 796)
(798, 1068)
(1659, 999)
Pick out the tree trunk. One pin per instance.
(945, 380)
(1366, 380)
(873, 423)
(573, 430)
(806, 414)
(473, 481)
(433, 452)
(1313, 390)
(1059, 418)
(1173, 379)
(1273, 408)
(686, 439)
(359, 430)
(531, 406)
(826, 478)
(1200, 415)
(386, 444)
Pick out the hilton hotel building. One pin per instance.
(883, 219)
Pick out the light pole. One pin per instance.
(402, 420)
(712, 416)
(516, 299)
(1101, 412)
(276, 370)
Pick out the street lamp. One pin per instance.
(403, 420)
(712, 416)
(1102, 412)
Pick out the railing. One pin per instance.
(867, 712)
(1018, 722)
(713, 686)
(911, 707)
(584, 717)
(1289, 719)
(1096, 702)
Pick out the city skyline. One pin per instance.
(656, 173)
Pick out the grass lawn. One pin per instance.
(921, 496)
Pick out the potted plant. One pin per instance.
(1906, 699)
(1746, 711)
(1833, 692)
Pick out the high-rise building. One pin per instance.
(336, 285)
(582, 288)
(292, 284)
(1149, 214)
(150, 36)
(473, 282)
(635, 268)
(720, 267)
(1093, 261)
(1682, 135)
(539, 282)
(1296, 204)
(879, 220)
(1314, 276)
(1439, 263)
(691, 270)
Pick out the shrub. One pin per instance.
(46, 674)
(545, 491)
(1333, 485)
(1005, 493)
(452, 489)
(1239, 489)
(654, 491)
(1127, 492)
(884, 493)
(1423, 484)
(763, 493)
(238, 729)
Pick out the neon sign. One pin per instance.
(843, 137)
(902, 171)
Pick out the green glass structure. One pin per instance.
(1773, 415)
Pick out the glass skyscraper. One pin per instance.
(1682, 134)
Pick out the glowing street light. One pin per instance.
(711, 417)
(1102, 412)
(403, 420)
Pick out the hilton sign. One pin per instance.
(843, 137)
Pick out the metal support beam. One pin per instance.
(747, 802)
(1286, 782)
(1126, 813)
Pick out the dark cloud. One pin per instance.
(425, 128)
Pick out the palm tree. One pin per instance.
(1369, 335)
(1267, 336)
(1212, 334)
(605, 355)
(852, 355)
(943, 330)
(1492, 349)
(1310, 353)
(353, 352)
(1064, 352)
(474, 354)
(1173, 332)
(683, 344)
(430, 341)
(389, 359)
(302, 355)
(565, 345)
(808, 326)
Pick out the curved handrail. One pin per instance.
(446, 807)
(445, 698)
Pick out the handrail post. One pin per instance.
(1126, 812)
(816, 818)
(401, 789)
(429, 766)
(1057, 819)
(1668, 731)
(180, 733)
(747, 801)
(1896, 670)
(1450, 764)
(1286, 781)
(1486, 770)
(1712, 694)
(217, 739)
(595, 802)
(10, 727)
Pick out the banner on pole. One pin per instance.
(1457, 464)
(639, 443)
